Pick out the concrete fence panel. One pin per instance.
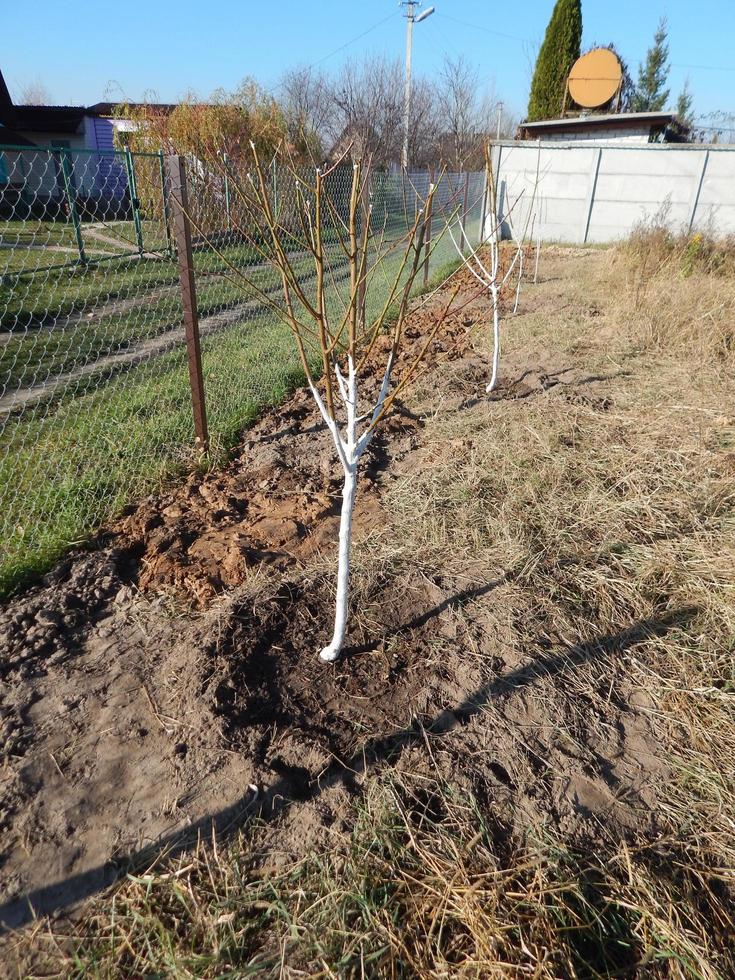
(716, 204)
(600, 192)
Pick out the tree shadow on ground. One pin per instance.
(287, 791)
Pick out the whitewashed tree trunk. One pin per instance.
(350, 448)
(494, 292)
(349, 492)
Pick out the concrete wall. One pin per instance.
(599, 192)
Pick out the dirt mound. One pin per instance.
(278, 502)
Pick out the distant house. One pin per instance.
(621, 127)
(71, 127)
(97, 177)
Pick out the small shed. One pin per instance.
(618, 127)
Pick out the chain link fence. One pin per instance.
(95, 369)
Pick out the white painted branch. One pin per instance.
(367, 436)
(488, 280)
(340, 382)
(352, 451)
(496, 339)
(331, 425)
(520, 278)
(473, 255)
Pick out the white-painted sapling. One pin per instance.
(489, 272)
(353, 258)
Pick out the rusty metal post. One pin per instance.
(179, 199)
(464, 211)
(427, 236)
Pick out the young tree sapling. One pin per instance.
(330, 325)
(490, 274)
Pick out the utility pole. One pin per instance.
(500, 118)
(411, 19)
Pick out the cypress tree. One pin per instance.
(557, 55)
(650, 94)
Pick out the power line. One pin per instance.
(445, 40)
(487, 30)
(274, 88)
(716, 129)
(354, 39)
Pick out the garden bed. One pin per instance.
(535, 679)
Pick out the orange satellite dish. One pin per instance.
(595, 78)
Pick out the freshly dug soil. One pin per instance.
(165, 679)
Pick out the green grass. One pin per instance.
(70, 464)
(65, 470)
(30, 300)
(29, 357)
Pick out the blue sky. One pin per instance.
(88, 50)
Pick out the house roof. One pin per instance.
(48, 118)
(108, 108)
(666, 122)
(6, 103)
(51, 118)
(9, 137)
(607, 119)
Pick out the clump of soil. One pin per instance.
(167, 679)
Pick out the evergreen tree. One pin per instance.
(557, 55)
(685, 105)
(650, 95)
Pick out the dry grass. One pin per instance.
(679, 295)
(423, 886)
(605, 504)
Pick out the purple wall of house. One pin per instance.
(111, 179)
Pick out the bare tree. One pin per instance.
(467, 115)
(496, 121)
(330, 324)
(33, 92)
(424, 125)
(361, 107)
(308, 104)
(489, 270)
(369, 97)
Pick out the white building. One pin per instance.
(631, 128)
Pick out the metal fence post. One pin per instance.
(483, 208)
(591, 188)
(699, 180)
(362, 285)
(427, 236)
(164, 200)
(134, 202)
(71, 197)
(226, 161)
(182, 231)
(464, 211)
